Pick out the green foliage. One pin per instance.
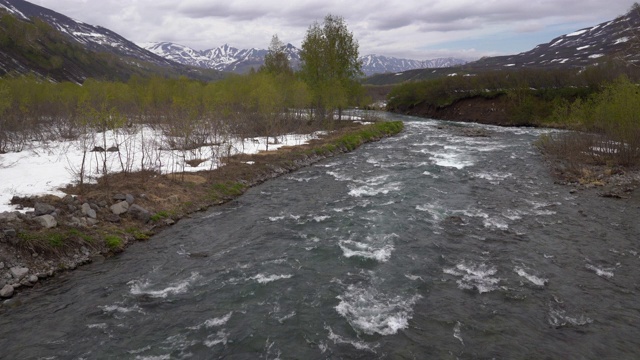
(276, 61)
(371, 132)
(330, 65)
(138, 234)
(226, 190)
(113, 242)
(614, 113)
(159, 216)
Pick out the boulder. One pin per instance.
(120, 208)
(6, 291)
(68, 199)
(140, 213)
(43, 209)
(119, 197)
(46, 221)
(129, 198)
(10, 233)
(112, 218)
(33, 279)
(88, 211)
(9, 216)
(19, 272)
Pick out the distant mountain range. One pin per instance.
(231, 59)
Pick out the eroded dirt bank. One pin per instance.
(475, 109)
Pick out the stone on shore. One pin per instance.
(46, 221)
(9, 216)
(88, 211)
(140, 213)
(43, 209)
(120, 208)
(19, 272)
(6, 291)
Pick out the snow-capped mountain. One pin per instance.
(228, 58)
(223, 58)
(617, 38)
(377, 64)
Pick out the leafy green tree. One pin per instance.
(276, 60)
(330, 64)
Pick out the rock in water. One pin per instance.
(6, 291)
(46, 221)
(120, 208)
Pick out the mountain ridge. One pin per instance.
(231, 59)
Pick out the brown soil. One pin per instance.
(475, 109)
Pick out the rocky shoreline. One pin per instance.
(98, 221)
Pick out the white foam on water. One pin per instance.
(138, 287)
(532, 278)
(430, 174)
(97, 326)
(494, 178)
(337, 339)
(475, 276)
(159, 357)
(339, 176)
(221, 337)
(265, 279)
(513, 214)
(602, 272)
(371, 312)
(321, 218)
(371, 191)
(379, 249)
(559, 318)
(283, 217)
(494, 223)
(453, 160)
(413, 277)
(303, 179)
(341, 210)
(121, 309)
(435, 210)
(282, 319)
(218, 321)
(456, 332)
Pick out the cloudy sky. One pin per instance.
(401, 28)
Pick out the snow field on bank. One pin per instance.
(45, 167)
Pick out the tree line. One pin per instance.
(267, 102)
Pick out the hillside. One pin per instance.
(616, 39)
(36, 40)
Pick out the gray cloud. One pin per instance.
(407, 28)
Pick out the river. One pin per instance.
(426, 245)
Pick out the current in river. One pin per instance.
(427, 245)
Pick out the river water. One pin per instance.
(427, 245)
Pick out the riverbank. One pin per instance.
(576, 172)
(99, 220)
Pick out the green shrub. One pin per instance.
(113, 242)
